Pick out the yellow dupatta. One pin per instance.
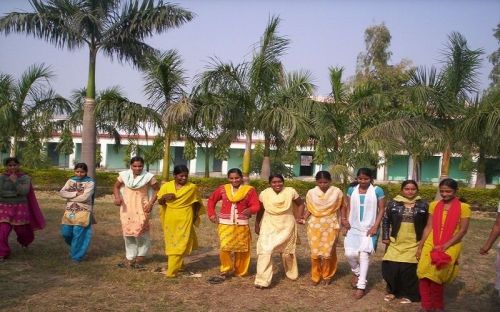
(186, 196)
(239, 194)
(277, 203)
(322, 204)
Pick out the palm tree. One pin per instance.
(164, 86)
(481, 126)
(28, 105)
(245, 88)
(285, 116)
(459, 80)
(114, 114)
(104, 26)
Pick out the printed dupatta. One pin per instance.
(135, 182)
(322, 204)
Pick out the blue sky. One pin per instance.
(322, 34)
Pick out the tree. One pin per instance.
(245, 88)
(114, 114)
(458, 84)
(28, 106)
(104, 26)
(164, 86)
(494, 59)
(481, 128)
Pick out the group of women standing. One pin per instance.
(423, 242)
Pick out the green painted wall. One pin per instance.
(115, 158)
(235, 159)
(397, 168)
(78, 152)
(493, 171)
(430, 169)
(455, 172)
(200, 161)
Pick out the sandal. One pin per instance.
(359, 293)
(218, 279)
(405, 301)
(389, 297)
(127, 264)
(138, 266)
(354, 281)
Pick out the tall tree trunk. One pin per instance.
(445, 167)
(481, 170)
(416, 168)
(265, 170)
(13, 146)
(166, 157)
(247, 155)
(89, 130)
(445, 163)
(207, 161)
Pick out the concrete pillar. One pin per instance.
(224, 168)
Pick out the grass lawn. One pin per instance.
(43, 278)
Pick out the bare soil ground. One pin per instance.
(43, 278)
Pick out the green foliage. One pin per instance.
(189, 150)
(66, 145)
(53, 179)
(34, 154)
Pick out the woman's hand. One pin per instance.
(386, 241)
(118, 201)
(148, 207)
(300, 221)
(246, 212)
(418, 253)
(13, 177)
(483, 250)
(372, 231)
(257, 228)
(214, 219)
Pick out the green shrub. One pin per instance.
(53, 179)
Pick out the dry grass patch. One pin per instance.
(43, 278)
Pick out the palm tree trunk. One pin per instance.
(445, 167)
(89, 130)
(416, 168)
(265, 170)
(481, 170)
(247, 155)
(207, 161)
(13, 147)
(166, 156)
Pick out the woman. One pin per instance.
(77, 220)
(361, 219)
(181, 207)
(494, 234)
(404, 221)
(323, 205)
(135, 192)
(276, 226)
(441, 245)
(239, 202)
(19, 208)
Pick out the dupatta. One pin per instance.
(438, 256)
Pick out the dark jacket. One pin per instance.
(393, 216)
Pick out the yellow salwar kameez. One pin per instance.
(425, 269)
(322, 231)
(278, 233)
(177, 221)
